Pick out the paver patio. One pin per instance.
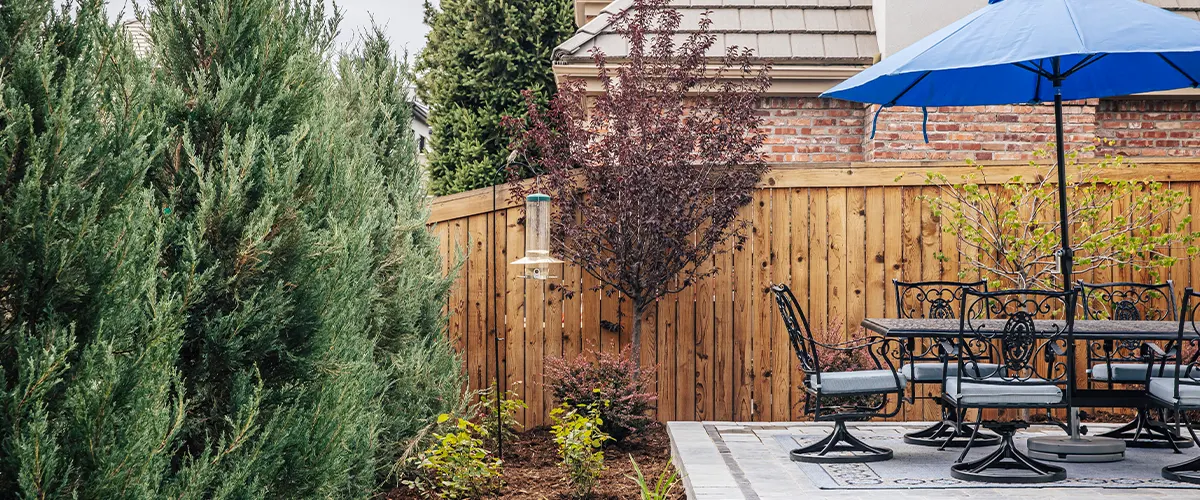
(748, 460)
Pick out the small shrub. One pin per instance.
(833, 360)
(661, 490)
(579, 438)
(509, 404)
(612, 378)
(457, 465)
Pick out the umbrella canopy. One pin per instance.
(1022, 51)
(1006, 53)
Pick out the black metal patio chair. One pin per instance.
(924, 362)
(1035, 361)
(1128, 361)
(1179, 390)
(843, 395)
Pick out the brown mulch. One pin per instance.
(531, 469)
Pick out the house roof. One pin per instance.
(139, 36)
(803, 31)
(808, 32)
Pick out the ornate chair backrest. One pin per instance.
(1028, 348)
(798, 330)
(1187, 366)
(1124, 301)
(932, 299)
(1128, 301)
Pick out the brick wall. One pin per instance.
(1150, 127)
(976, 132)
(808, 130)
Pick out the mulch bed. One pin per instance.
(531, 469)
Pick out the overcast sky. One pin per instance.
(401, 18)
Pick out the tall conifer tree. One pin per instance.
(90, 400)
(216, 283)
(479, 56)
(424, 372)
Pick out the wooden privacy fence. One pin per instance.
(837, 235)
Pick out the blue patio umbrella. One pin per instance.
(1032, 51)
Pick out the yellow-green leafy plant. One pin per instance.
(457, 465)
(1010, 230)
(579, 438)
(661, 489)
(509, 404)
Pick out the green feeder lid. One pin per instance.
(538, 197)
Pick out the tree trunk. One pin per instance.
(636, 339)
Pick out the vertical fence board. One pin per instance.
(723, 364)
(457, 328)
(683, 346)
(743, 263)
(514, 314)
(780, 266)
(799, 284)
(665, 357)
(535, 333)
(910, 269)
(702, 389)
(764, 313)
(496, 299)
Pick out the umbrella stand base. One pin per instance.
(1080, 450)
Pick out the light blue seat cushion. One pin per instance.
(1164, 388)
(1131, 372)
(932, 371)
(857, 382)
(1003, 393)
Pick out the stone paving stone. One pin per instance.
(760, 465)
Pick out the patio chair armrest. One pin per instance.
(949, 348)
(1057, 349)
(1152, 351)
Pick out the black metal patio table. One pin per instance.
(912, 329)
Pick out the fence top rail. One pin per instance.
(855, 174)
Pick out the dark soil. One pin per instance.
(531, 469)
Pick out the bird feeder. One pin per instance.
(537, 259)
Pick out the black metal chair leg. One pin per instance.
(1145, 432)
(1186, 472)
(970, 442)
(848, 449)
(950, 432)
(1007, 464)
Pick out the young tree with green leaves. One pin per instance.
(1010, 231)
(479, 56)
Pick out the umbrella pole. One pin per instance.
(1067, 258)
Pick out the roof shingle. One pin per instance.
(826, 32)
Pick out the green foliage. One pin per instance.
(577, 431)
(1010, 230)
(509, 405)
(215, 275)
(661, 489)
(480, 55)
(424, 372)
(90, 399)
(457, 465)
